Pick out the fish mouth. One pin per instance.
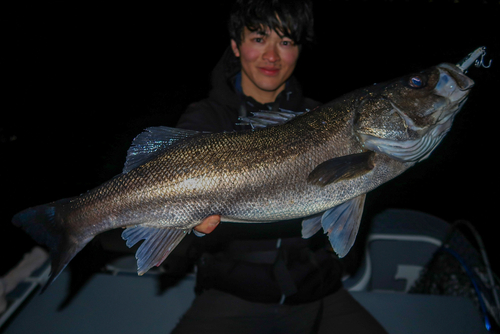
(453, 84)
(454, 87)
(454, 72)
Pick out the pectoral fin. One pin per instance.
(342, 168)
(158, 244)
(341, 223)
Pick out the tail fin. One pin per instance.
(45, 225)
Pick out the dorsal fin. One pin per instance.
(152, 142)
(265, 118)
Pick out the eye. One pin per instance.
(416, 82)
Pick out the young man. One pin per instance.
(264, 278)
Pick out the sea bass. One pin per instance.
(319, 165)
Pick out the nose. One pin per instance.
(271, 54)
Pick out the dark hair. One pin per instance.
(290, 18)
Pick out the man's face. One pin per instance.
(267, 61)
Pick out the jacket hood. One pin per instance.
(222, 79)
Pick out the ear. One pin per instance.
(235, 49)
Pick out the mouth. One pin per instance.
(452, 81)
(454, 86)
(270, 71)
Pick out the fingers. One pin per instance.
(208, 224)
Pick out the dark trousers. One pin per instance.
(218, 312)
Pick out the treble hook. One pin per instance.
(480, 62)
(476, 57)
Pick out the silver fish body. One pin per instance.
(318, 165)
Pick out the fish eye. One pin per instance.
(416, 82)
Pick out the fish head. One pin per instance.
(408, 117)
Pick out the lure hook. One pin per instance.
(480, 62)
(476, 57)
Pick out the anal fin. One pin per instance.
(158, 244)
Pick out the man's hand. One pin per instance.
(208, 224)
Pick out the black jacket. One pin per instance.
(243, 259)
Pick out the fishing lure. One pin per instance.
(476, 57)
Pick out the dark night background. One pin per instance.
(83, 80)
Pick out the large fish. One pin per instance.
(319, 165)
